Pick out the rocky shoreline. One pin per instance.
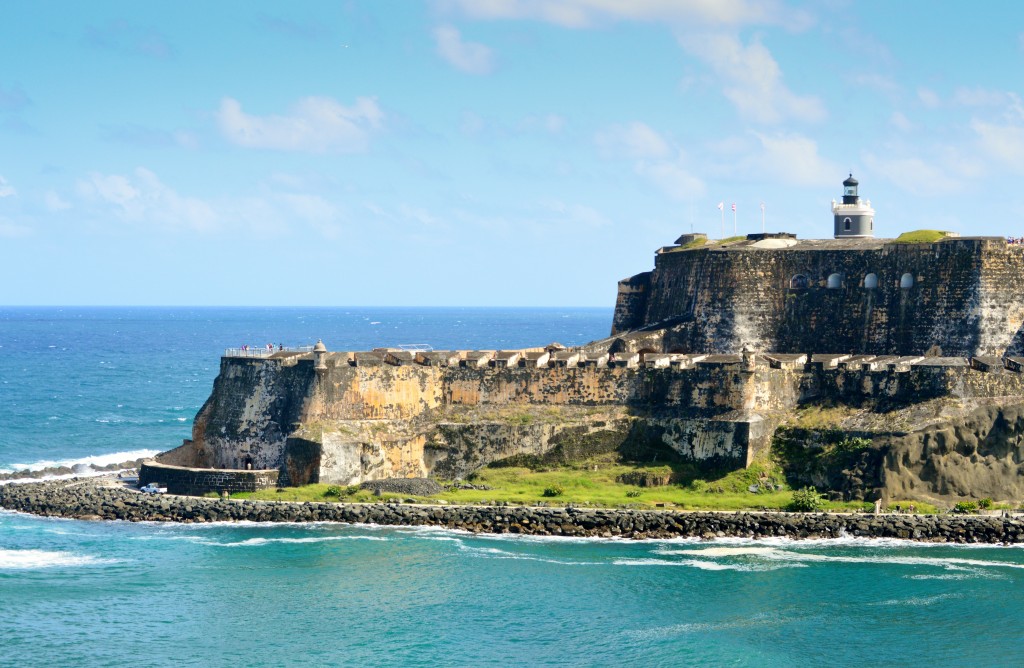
(106, 499)
(77, 469)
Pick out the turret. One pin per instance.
(319, 353)
(853, 218)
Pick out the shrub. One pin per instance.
(553, 490)
(633, 493)
(333, 490)
(351, 489)
(985, 503)
(806, 500)
(965, 507)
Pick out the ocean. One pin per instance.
(108, 384)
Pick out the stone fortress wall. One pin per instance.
(350, 417)
(957, 297)
(853, 323)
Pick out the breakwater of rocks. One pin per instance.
(105, 499)
(77, 469)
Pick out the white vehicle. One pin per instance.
(153, 488)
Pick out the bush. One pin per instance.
(554, 490)
(633, 493)
(806, 500)
(985, 503)
(965, 507)
(333, 490)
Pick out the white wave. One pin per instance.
(96, 460)
(250, 542)
(26, 559)
(692, 563)
(705, 627)
(776, 554)
(967, 575)
(919, 600)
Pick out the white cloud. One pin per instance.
(6, 189)
(899, 121)
(576, 215)
(794, 159)
(752, 79)
(472, 124)
(655, 159)
(672, 178)
(554, 123)
(143, 198)
(418, 214)
(550, 123)
(1002, 142)
(54, 202)
(915, 175)
(9, 230)
(316, 124)
(878, 82)
(315, 210)
(586, 13)
(979, 97)
(928, 97)
(469, 57)
(635, 140)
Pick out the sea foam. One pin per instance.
(29, 559)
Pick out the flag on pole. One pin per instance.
(762, 207)
(734, 207)
(721, 206)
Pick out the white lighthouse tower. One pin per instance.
(854, 219)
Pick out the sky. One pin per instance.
(478, 152)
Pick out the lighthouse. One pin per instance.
(854, 218)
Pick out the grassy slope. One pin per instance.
(920, 237)
(591, 483)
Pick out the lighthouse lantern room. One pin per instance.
(854, 218)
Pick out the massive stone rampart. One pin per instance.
(958, 296)
(350, 421)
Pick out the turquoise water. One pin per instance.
(109, 593)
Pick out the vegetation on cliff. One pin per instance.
(600, 482)
(921, 237)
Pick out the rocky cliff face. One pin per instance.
(941, 451)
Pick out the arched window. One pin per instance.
(907, 280)
(835, 281)
(799, 282)
(846, 224)
(872, 225)
(871, 281)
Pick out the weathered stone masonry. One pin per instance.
(958, 296)
(348, 423)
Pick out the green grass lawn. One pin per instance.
(921, 237)
(593, 484)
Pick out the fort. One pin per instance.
(722, 350)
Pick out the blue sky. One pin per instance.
(478, 152)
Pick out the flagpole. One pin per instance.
(734, 220)
(722, 209)
(762, 217)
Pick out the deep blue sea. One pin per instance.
(105, 384)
